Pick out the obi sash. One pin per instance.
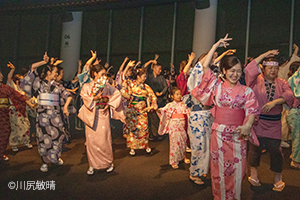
(229, 116)
(178, 116)
(4, 103)
(196, 107)
(137, 99)
(46, 99)
(270, 117)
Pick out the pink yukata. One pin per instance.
(232, 107)
(268, 126)
(256, 80)
(98, 137)
(173, 121)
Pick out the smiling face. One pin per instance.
(233, 74)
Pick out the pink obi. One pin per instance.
(229, 116)
(177, 116)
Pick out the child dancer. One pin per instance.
(173, 121)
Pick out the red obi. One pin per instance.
(177, 116)
(229, 116)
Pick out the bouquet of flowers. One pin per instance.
(98, 87)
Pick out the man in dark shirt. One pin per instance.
(159, 86)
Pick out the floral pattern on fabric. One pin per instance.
(199, 128)
(228, 163)
(176, 129)
(136, 119)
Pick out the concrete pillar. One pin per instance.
(205, 28)
(70, 44)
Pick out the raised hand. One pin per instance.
(10, 65)
(79, 63)
(223, 42)
(58, 62)
(126, 59)
(156, 57)
(97, 61)
(94, 54)
(230, 51)
(295, 46)
(131, 63)
(46, 57)
(192, 56)
(172, 65)
(271, 53)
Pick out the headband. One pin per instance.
(270, 63)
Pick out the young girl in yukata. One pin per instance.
(173, 121)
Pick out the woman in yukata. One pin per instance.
(49, 126)
(138, 94)
(293, 117)
(271, 93)
(199, 127)
(20, 125)
(98, 135)
(234, 111)
(294, 114)
(8, 94)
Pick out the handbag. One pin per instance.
(86, 115)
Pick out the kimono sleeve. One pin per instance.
(287, 94)
(151, 94)
(166, 114)
(30, 83)
(294, 83)
(252, 71)
(115, 102)
(126, 89)
(181, 82)
(18, 100)
(205, 90)
(251, 108)
(64, 93)
(84, 77)
(86, 98)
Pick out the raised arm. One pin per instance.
(268, 54)
(152, 61)
(222, 42)
(45, 60)
(90, 61)
(11, 72)
(123, 65)
(187, 68)
(296, 49)
(130, 64)
(228, 52)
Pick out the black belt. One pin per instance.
(270, 117)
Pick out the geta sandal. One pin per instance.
(254, 182)
(279, 188)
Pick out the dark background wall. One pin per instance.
(26, 34)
